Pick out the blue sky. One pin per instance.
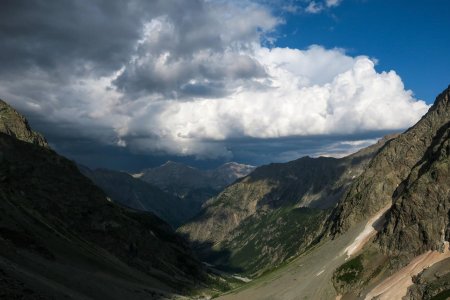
(130, 84)
(410, 37)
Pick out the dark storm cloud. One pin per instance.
(67, 38)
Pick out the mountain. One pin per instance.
(272, 214)
(61, 237)
(410, 177)
(134, 193)
(193, 185)
(373, 190)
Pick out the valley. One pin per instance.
(223, 149)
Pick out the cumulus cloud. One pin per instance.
(294, 102)
(314, 7)
(333, 3)
(186, 78)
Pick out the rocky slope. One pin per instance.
(412, 173)
(273, 213)
(375, 187)
(60, 237)
(126, 190)
(419, 218)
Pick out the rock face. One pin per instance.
(122, 188)
(419, 218)
(60, 236)
(14, 124)
(232, 222)
(412, 172)
(389, 168)
(432, 283)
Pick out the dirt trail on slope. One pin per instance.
(396, 286)
(373, 225)
(309, 276)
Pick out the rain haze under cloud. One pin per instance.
(199, 80)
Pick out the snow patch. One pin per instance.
(244, 279)
(369, 231)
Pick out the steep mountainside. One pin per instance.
(60, 237)
(131, 192)
(248, 225)
(419, 218)
(416, 230)
(191, 184)
(375, 187)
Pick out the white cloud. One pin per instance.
(302, 98)
(333, 3)
(314, 7)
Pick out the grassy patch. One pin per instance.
(350, 271)
(265, 241)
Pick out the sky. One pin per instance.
(131, 84)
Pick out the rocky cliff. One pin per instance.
(389, 168)
(411, 173)
(419, 218)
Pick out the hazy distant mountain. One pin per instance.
(131, 192)
(60, 237)
(180, 178)
(193, 185)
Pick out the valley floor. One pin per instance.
(310, 275)
(307, 277)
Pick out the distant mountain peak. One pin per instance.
(16, 125)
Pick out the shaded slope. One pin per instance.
(131, 192)
(49, 209)
(60, 237)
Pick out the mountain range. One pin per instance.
(174, 191)
(275, 212)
